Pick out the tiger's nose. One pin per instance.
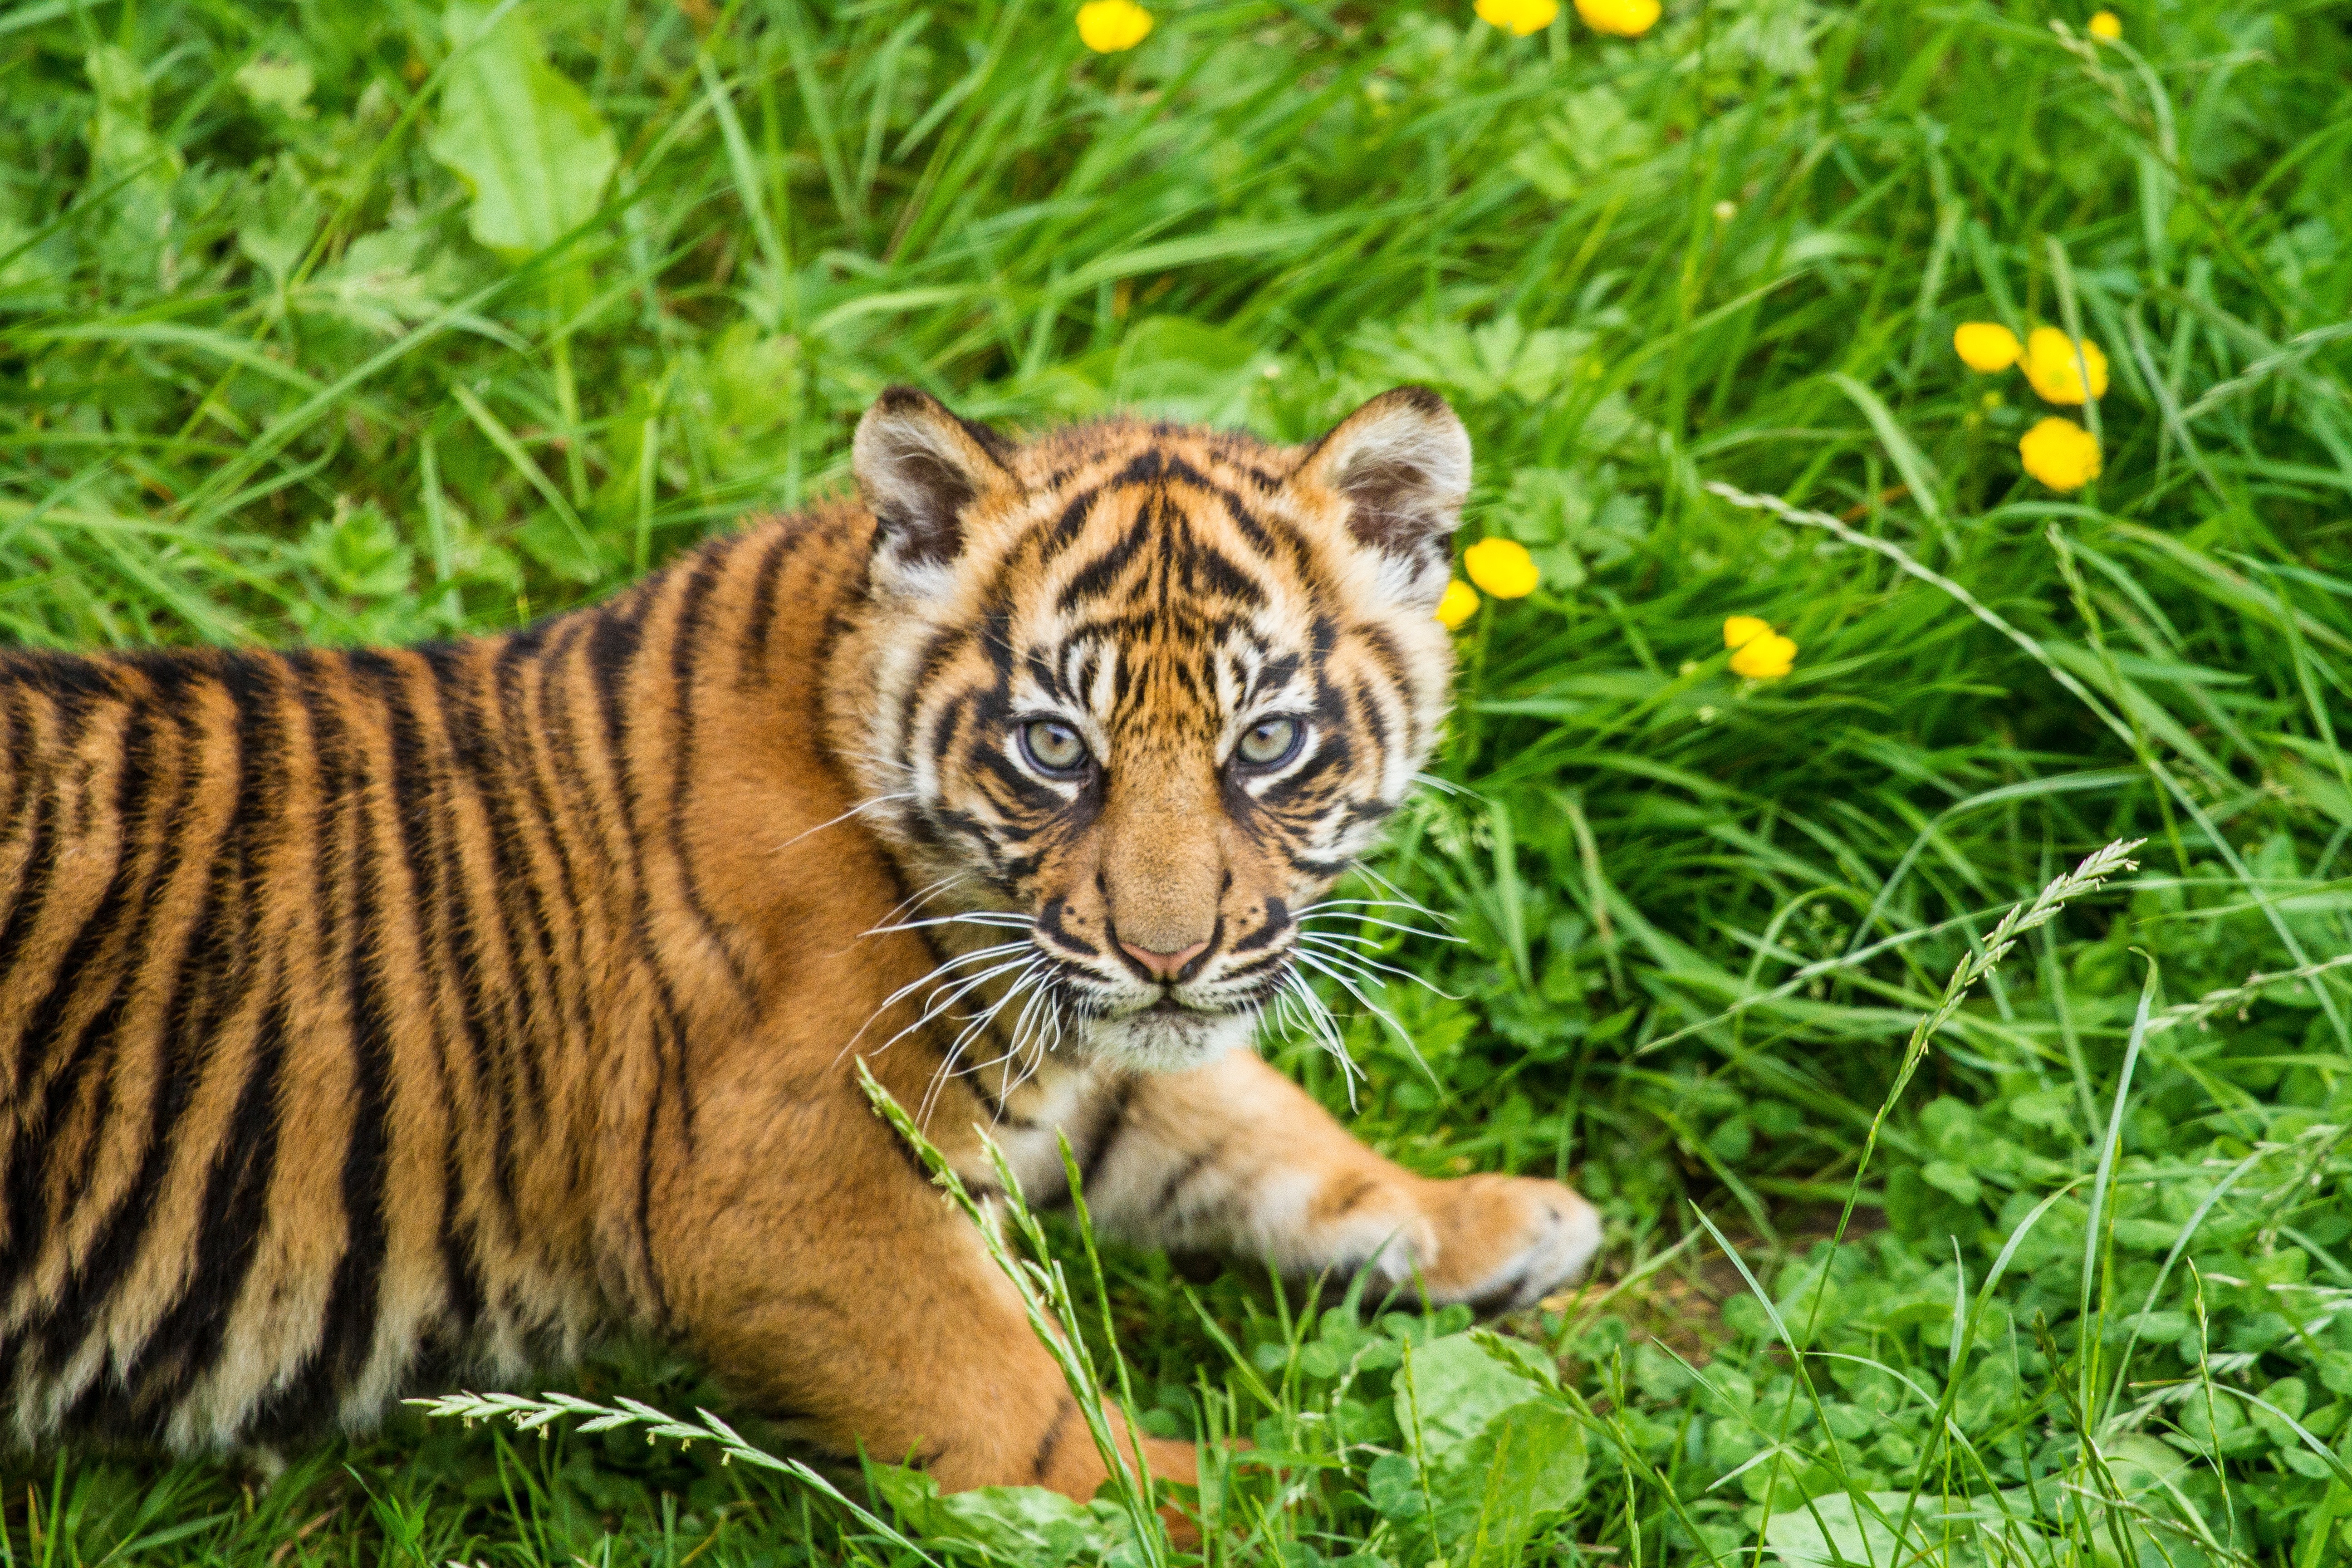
(1163, 965)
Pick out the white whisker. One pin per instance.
(844, 816)
(1376, 904)
(925, 895)
(1398, 895)
(1324, 1028)
(1307, 913)
(1000, 918)
(941, 971)
(938, 1004)
(1038, 1061)
(977, 1024)
(1326, 938)
(1363, 963)
(1323, 965)
(970, 1031)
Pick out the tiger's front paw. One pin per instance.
(1506, 1242)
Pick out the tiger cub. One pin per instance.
(373, 1020)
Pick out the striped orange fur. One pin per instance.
(374, 1020)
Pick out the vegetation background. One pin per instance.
(363, 320)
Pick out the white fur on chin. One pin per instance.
(1167, 1042)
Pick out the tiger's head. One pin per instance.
(1133, 695)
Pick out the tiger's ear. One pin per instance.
(918, 468)
(1401, 463)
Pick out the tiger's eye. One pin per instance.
(1269, 743)
(1053, 746)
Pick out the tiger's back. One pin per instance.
(343, 998)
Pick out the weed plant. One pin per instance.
(366, 319)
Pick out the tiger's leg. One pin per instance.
(827, 1282)
(1235, 1157)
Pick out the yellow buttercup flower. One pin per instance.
(2060, 454)
(1519, 17)
(1461, 603)
(1758, 651)
(2106, 24)
(1769, 658)
(1502, 567)
(1986, 345)
(2050, 366)
(1620, 19)
(1108, 27)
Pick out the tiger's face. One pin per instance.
(1132, 696)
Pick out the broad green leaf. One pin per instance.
(1950, 1177)
(1024, 1524)
(529, 146)
(282, 84)
(281, 217)
(359, 554)
(1499, 1451)
(1393, 1484)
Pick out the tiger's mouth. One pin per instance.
(1180, 1027)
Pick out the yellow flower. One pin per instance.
(1767, 658)
(2060, 454)
(1461, 603)
(1623, 18)
(1501, 566)
(2106, 24)
(1107, 27)
(2050, 366)
(1521, 16)
(1758, 651)
(1985, 346)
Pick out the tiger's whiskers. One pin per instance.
(867, 805)
(972, 1029)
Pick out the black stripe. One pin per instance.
(20, 745)
(29, 1168)
(1098, 576)
(1106, 1134)
(24, 915)
(88, 1061)
(1063, 1409)
(473, 761)
(1182, 1176)
(418, 819)
(612, 647)
(753, 662)
(354, 1297)
(533, 960)
(237, 1203)
(44, 1016)
(1360, 1187)
(1278, 921)
(204, 952)
(614, 638)
(685, 648)
(348, 1323)
(1071, 525)
(219, 975)
(529, 693)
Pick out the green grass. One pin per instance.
(263, 375)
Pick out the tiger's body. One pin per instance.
(373, 1018)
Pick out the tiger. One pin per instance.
(372, 1019)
